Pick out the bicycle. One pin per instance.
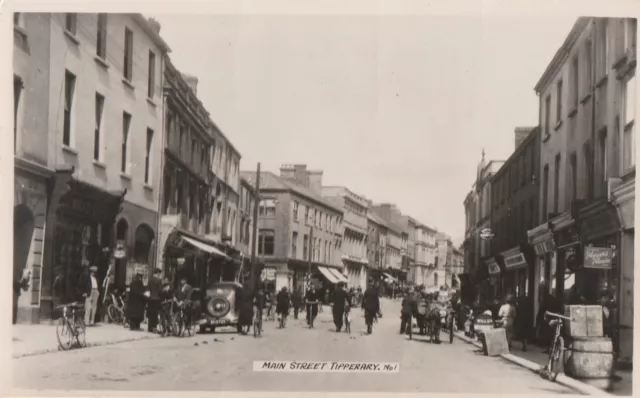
(347, 320)
(167, 324)
(183, 320)
(71, 326)
(115, 310)
(257, 322)
(551, 370)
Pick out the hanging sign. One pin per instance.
(119, 252)
(516, 261)
(487, 234)
(572, 259)
(493, 267)
(598, 257)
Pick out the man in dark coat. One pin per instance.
(311, 299)
(282, 302)
(135, 306)
(341, 299)
(409, 306)
(296, 301)
(153, 305)
(244, 299)
(371, 306)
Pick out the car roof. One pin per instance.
(224, 284)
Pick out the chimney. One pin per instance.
(154, 25)
(521, 134)
(315, 181)
(296, 173)
(287, 171)
(192, 82)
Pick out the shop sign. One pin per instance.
(567, 237)
(515, 261)
(120, 251)
(493, 267)
(268, 274)
(487, 234)
(598, 257)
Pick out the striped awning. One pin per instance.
(328, 274)
(339, 276)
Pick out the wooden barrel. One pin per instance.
(590, 360)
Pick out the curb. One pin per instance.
(89, 345)
(562, 379)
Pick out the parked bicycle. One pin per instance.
(184, 320)
(551, 370)
(257, 322)
(167, 325)
(116, 309)
(70, 329)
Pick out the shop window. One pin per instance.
(266, 242)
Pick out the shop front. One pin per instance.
(623, 198)
(79, 232)
(356, 271)
(541, 239)
(516, 273)
(489, 287)
(567, 240)
(199, 260)
(29, 219)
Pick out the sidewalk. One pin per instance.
(534, 358)
(41, 339)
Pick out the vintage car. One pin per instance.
(220, 307)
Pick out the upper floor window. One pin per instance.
(151, 84)
(630, 28)
(295, 211)
(559, 101)
(101, 42)
(70, 23)
(69, 90)
(629, 138)
(575, 80)
(547, 115)
(128, 54)
(267, 208)
(588, 73)
(266, 242)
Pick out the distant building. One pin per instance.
(397, 241)
(377, 236)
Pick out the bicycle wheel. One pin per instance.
(81, 332)
(113, 314)
(64, 334)
(556, 357)
(176, 324)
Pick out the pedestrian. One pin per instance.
(311, 300)
(153, 305)
(183, 294)
(507, 315)
(523, 323)
(135, 306)
(341, 302)
(89, 290)
(246, 308)
(282, 303)
(296, 301)
(19, 285)
(407, 308)
(371, 306)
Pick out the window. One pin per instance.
(70, 23)
(319, 258)
(267, 208)
(603, 45)
(147, 158)
(305, 247)
(588, 73)
(294, 245)
(266, 241)
(588, 169)
(152, 75)
(575, 70)
(69, 88)
(128, 54)
(629, 138)
(556, 184)
(631, 25)
(547, 114)
(314, 248)
(101, 43)
(573, 161)
(559, 101)
(96, 136)
(602, 157)
(295, 211)
(126, 123)
(306, 215)
(17, 93)
(545, 193)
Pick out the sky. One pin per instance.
(396, 108)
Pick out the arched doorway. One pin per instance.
(143, 244)
(122, 232)
(23, 227)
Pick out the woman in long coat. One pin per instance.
(135, 306)
(246, 308)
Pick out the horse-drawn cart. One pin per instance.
(428, 314)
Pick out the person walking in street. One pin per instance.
(153, 305)
(282, 303)
(507, 315)
(408, 307)
(340, 302)
(311, 300)
(246, 308)
(296, 301)
(135, 306)
(371, 306)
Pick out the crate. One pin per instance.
(586, 320)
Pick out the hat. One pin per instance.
(93, 268)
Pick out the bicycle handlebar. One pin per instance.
(554, 315)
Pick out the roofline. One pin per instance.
(530, 137)
(157, 39)
(562, 54)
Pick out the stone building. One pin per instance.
(377, 235)
(100, 168)
(587, 165)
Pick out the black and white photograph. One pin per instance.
(227, 197)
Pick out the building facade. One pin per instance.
(245, 227)
(397, 242)
(109, 67)
(425, 253)
(377, 235)
(354, 232)
(588, 170)
(299, 232)
(514, 203)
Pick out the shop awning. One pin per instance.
(387, 276)
(328, 274)
(338, 275)
(204, 247)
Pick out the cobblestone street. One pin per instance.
(224, 361)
